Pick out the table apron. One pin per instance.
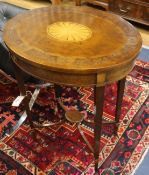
(75, 79)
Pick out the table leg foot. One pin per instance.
(116, 129)
(120, 93)
(98, 101)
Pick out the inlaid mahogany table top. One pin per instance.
(73, 45)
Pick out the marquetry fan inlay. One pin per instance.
(69, 31)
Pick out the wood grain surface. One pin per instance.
(106, 56)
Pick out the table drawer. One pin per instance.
(124, 8)
(145, 15)
(131, 10)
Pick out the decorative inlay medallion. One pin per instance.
(69, 31)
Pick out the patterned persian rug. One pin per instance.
(60, 149)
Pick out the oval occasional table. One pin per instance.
(75, 46)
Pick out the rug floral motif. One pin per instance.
(60, 149)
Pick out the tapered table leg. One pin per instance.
(98, 101)
(19, 77)
(120, 94)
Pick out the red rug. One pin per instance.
(60, 149)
